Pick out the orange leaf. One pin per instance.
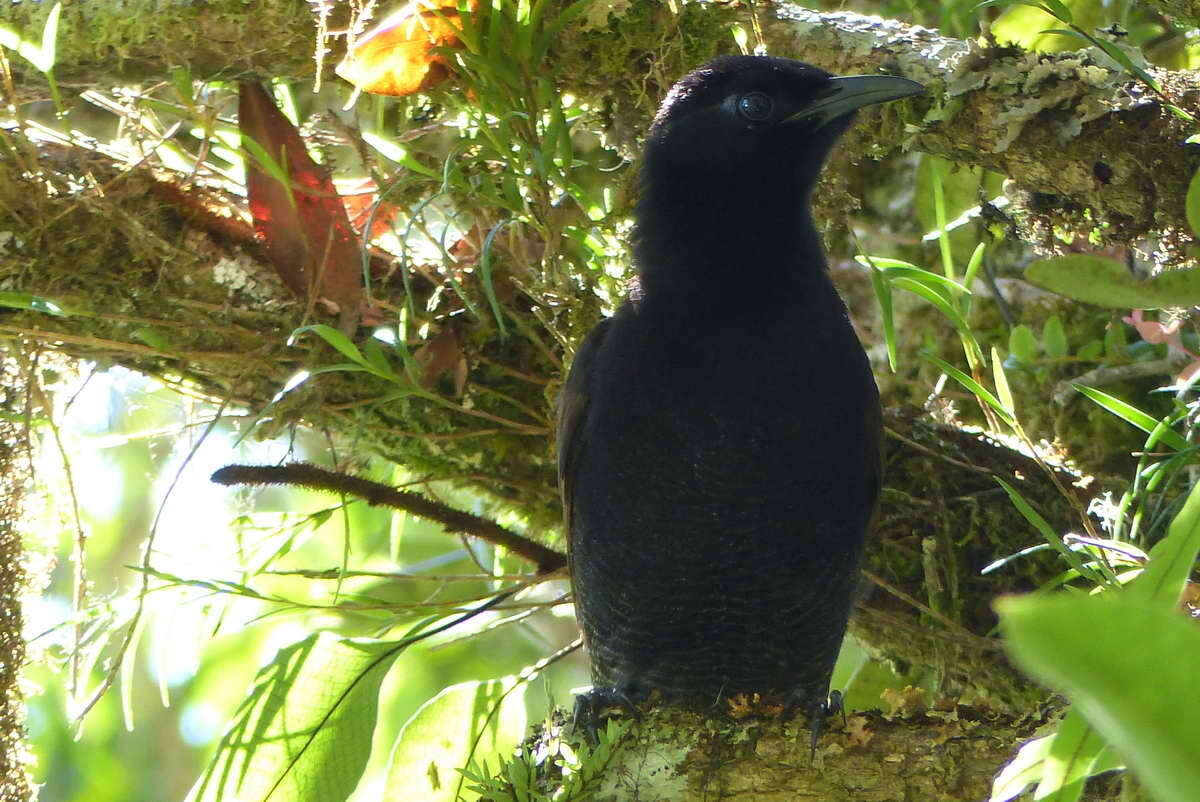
(439, 355)
(398, 56)
(361, 206)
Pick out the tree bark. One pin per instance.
(16, 481)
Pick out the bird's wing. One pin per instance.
(572, 412)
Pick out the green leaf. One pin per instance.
(471, 721)
(1121, 57)
(1107, 282)
(396, 152)
(1069, 760)
(883, 293)
(1022, 771)
(467, 26)
(1090, 351)
(181, 80)
(42, 56)
(1047, 532)
(304, 732)
(895, 268)
(1192, 204)
(550, 31)
(1054, 8)
(1003, 391)
(936, 298)
(1023, 343)
(335, 338)
(741, 37)
(154, 338)
(1128, 666)
(975, 387)
(557, 138)
(1172, 558)
(34, 303)
(485, 270)
(1041, 761)
(1068, 33)
(266, 161)
(1115, 340)
(1132, 415)
(1054, 338)
(939, 209)
(50, 39)
(973, 265)
(373, 353)
(1059, 10)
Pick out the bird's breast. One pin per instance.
(731, 432)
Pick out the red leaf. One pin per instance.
(300, 221)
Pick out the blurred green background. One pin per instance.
(196, 652)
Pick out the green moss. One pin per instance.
(646, 49)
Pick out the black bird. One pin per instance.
(719, 437)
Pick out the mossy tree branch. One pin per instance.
(1073, 127)
(682, 756)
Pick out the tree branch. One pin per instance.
(307, 475)
(1073, 127)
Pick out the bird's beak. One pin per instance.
(850, 93)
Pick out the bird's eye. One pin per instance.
(755, 106)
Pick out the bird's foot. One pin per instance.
(818, 710)
(593, 709)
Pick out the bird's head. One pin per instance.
(731, 159)
(757, 117)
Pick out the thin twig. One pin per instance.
(120, 347)
(958, 629)
(1064, 391)
(939, 455)
(79, 591)
(529, 377)
(147, 572)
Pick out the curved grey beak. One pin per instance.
(852, 92)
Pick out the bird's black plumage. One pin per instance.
(719, 436)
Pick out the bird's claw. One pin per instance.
(594, 707)
(817, 711)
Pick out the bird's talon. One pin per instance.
(592, 709)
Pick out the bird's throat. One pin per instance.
(713, 242)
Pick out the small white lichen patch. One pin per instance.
(243, 277)
(652, 778)
(598, 12)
